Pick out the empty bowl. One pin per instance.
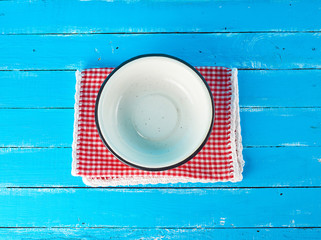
(154, 112)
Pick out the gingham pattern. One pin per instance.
(213, 163)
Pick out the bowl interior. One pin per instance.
(154, 112)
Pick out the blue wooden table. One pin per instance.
(275, 44)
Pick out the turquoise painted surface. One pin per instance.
(275, 44)
(296, 207)
(242, 50)
(159, 16)
(161, 233)
(265, 167)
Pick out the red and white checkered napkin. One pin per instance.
(219, 160)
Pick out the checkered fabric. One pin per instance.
(219, 160)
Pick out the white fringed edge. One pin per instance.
(75, 134)
(235, 138)
(144, 180)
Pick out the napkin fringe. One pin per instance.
(235, 134)
(136, 180)
(75, 133)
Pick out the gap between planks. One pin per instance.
(154, 33)
(239, 69)
(172, 228)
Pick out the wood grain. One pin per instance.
(265, 167)
(158, 16)
(151, 234)
(240, 50)
(266, 207)
(48, 89)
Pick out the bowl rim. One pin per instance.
(127, 162)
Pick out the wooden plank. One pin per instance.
(241, 50)
(37, 167)
(158, 16)
(34, 89)
(265, 167)
(280, 88)
(132, 233)
(54, 127)
(36, 127)
(266, 207)
(281, 127)
(56, 89)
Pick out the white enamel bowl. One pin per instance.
(154, 112)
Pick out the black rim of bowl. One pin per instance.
(127, 161)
